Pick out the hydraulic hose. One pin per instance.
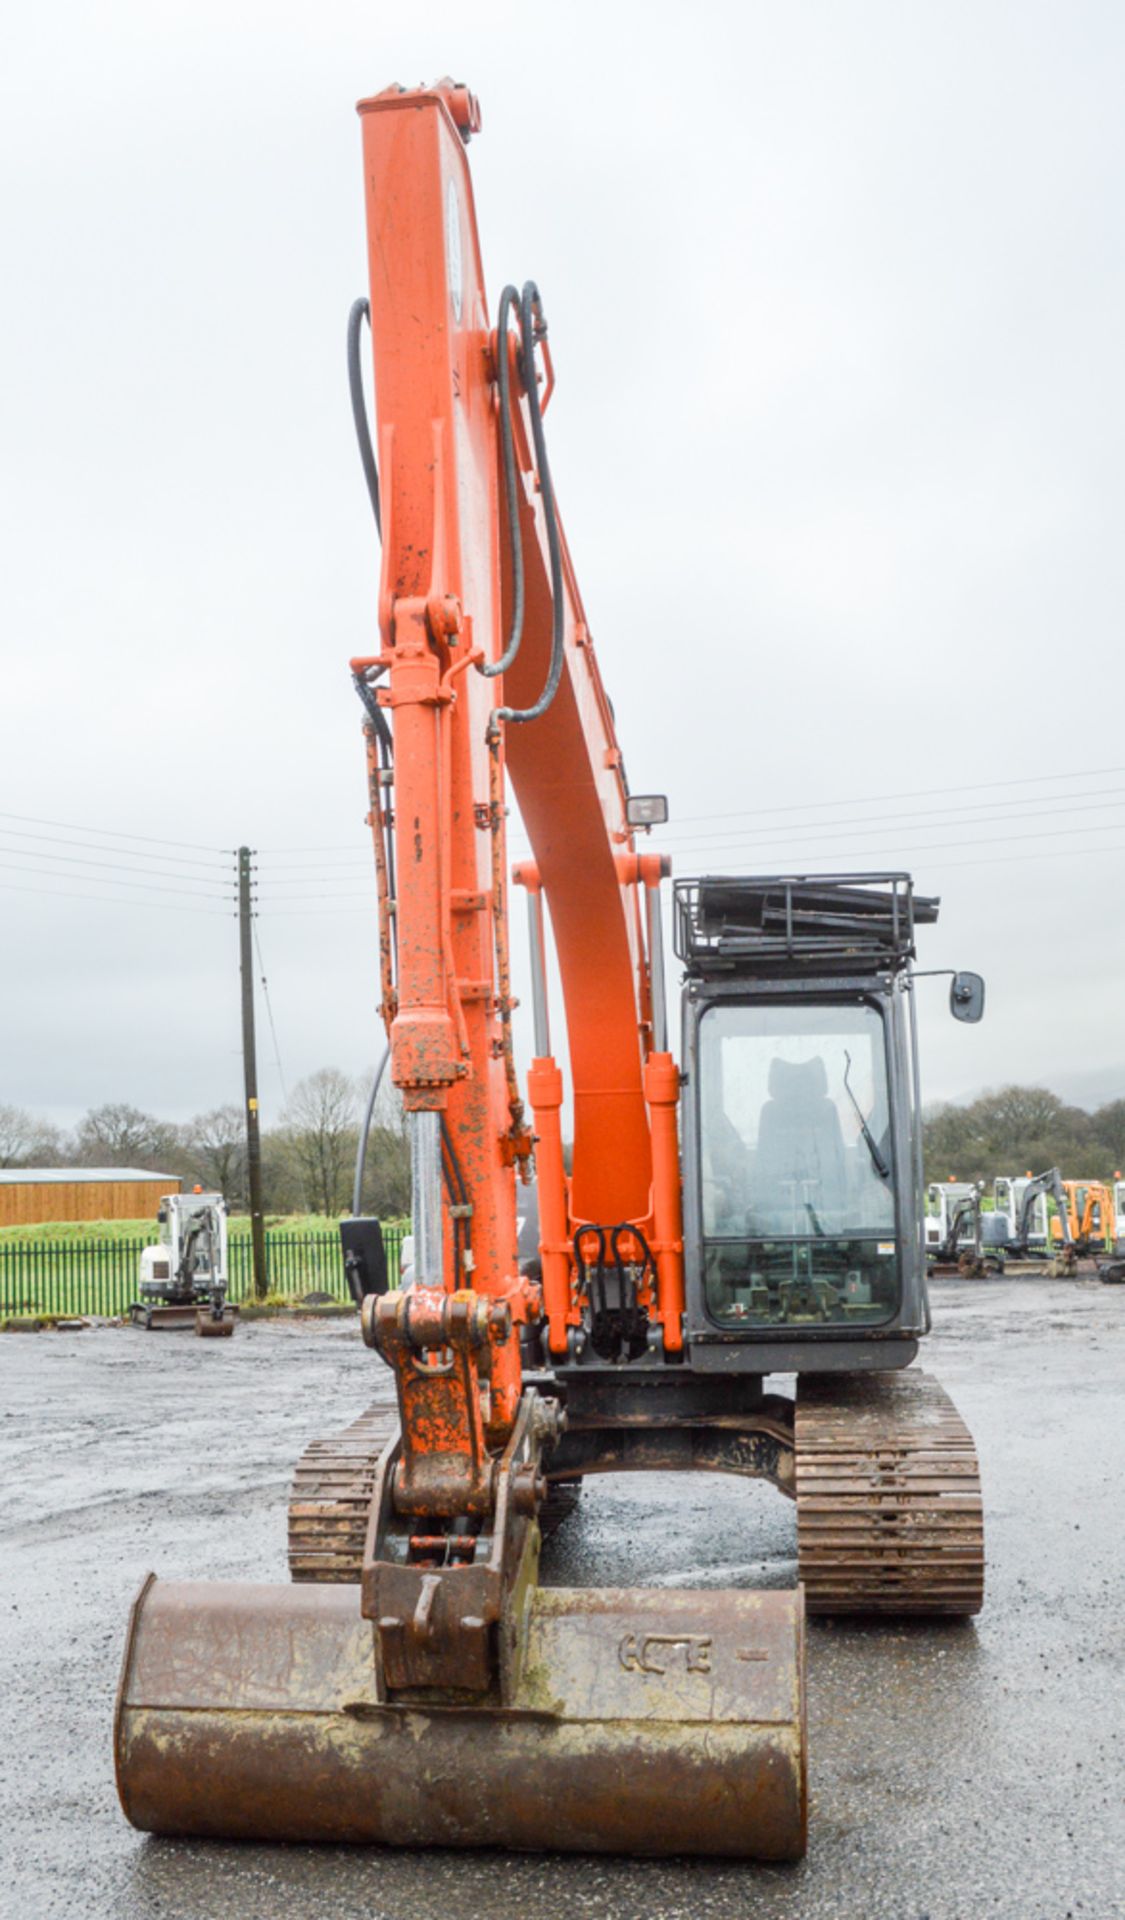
(373, 711)
(508, 299)
(533, 327)
(460, 1206)
(360, 312)
(365, 1129)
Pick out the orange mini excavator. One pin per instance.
(758, 1212)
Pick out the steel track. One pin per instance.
(331, 1495)
(889, 1516)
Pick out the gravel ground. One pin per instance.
(958, 1771)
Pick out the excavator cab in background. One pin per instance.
(1088, 1207)
(1029, 1234)
(1037, 1194)
(960, 1237)
(756, 1210)
(184, 1277)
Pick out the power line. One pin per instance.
(1009, 859)
(93, 846)
(337, 846)
(1086, 803)
(913, 793)
(824, 831)
(938, 846)
(269, 1012)
(519, 844)
(352, 860)
(208, 887)
(95, 880)
(112, 833)
(352, 893)
(108, 899)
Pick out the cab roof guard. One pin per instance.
(783, 923)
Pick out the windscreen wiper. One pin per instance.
(881, 1165)
(814, 1217)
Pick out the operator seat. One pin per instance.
(799, 1140)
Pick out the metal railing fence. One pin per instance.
(98, 1278)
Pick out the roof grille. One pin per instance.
(783, 923)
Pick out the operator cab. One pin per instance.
(803, 1199)
(798, 1199)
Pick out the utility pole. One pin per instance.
(250, 1076)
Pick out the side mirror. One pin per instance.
(966, 997)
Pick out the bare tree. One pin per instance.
(218, 1147)
(320, 1122)
(283, 1185)
(26, 1141)
(118, 1135)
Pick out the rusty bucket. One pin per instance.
(209, 1328)
(641, 1722)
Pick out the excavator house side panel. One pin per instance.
(643, 1722)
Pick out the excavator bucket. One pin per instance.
(641, 1722)
(447, 1699)
(208, 1327)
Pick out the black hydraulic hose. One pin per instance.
(359, 313)
(635, 1322)
(455, 1184)
(508, 299)
(533, 327)
(365, 1129)
(373, 710)
(456, 1180)
(627, 1293)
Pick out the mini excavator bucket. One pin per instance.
(448, 1700)
(213, 1323)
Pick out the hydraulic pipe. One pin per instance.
(425, 1174)
(657, 991)
(539, 1013)
(545, 1092)
(662, 1092)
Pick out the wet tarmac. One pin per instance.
(958, 1771)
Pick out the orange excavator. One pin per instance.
(1088, 1209)
(758, 1212)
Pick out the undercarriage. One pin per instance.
(881, 1467)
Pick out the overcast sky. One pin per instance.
(836, 304)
